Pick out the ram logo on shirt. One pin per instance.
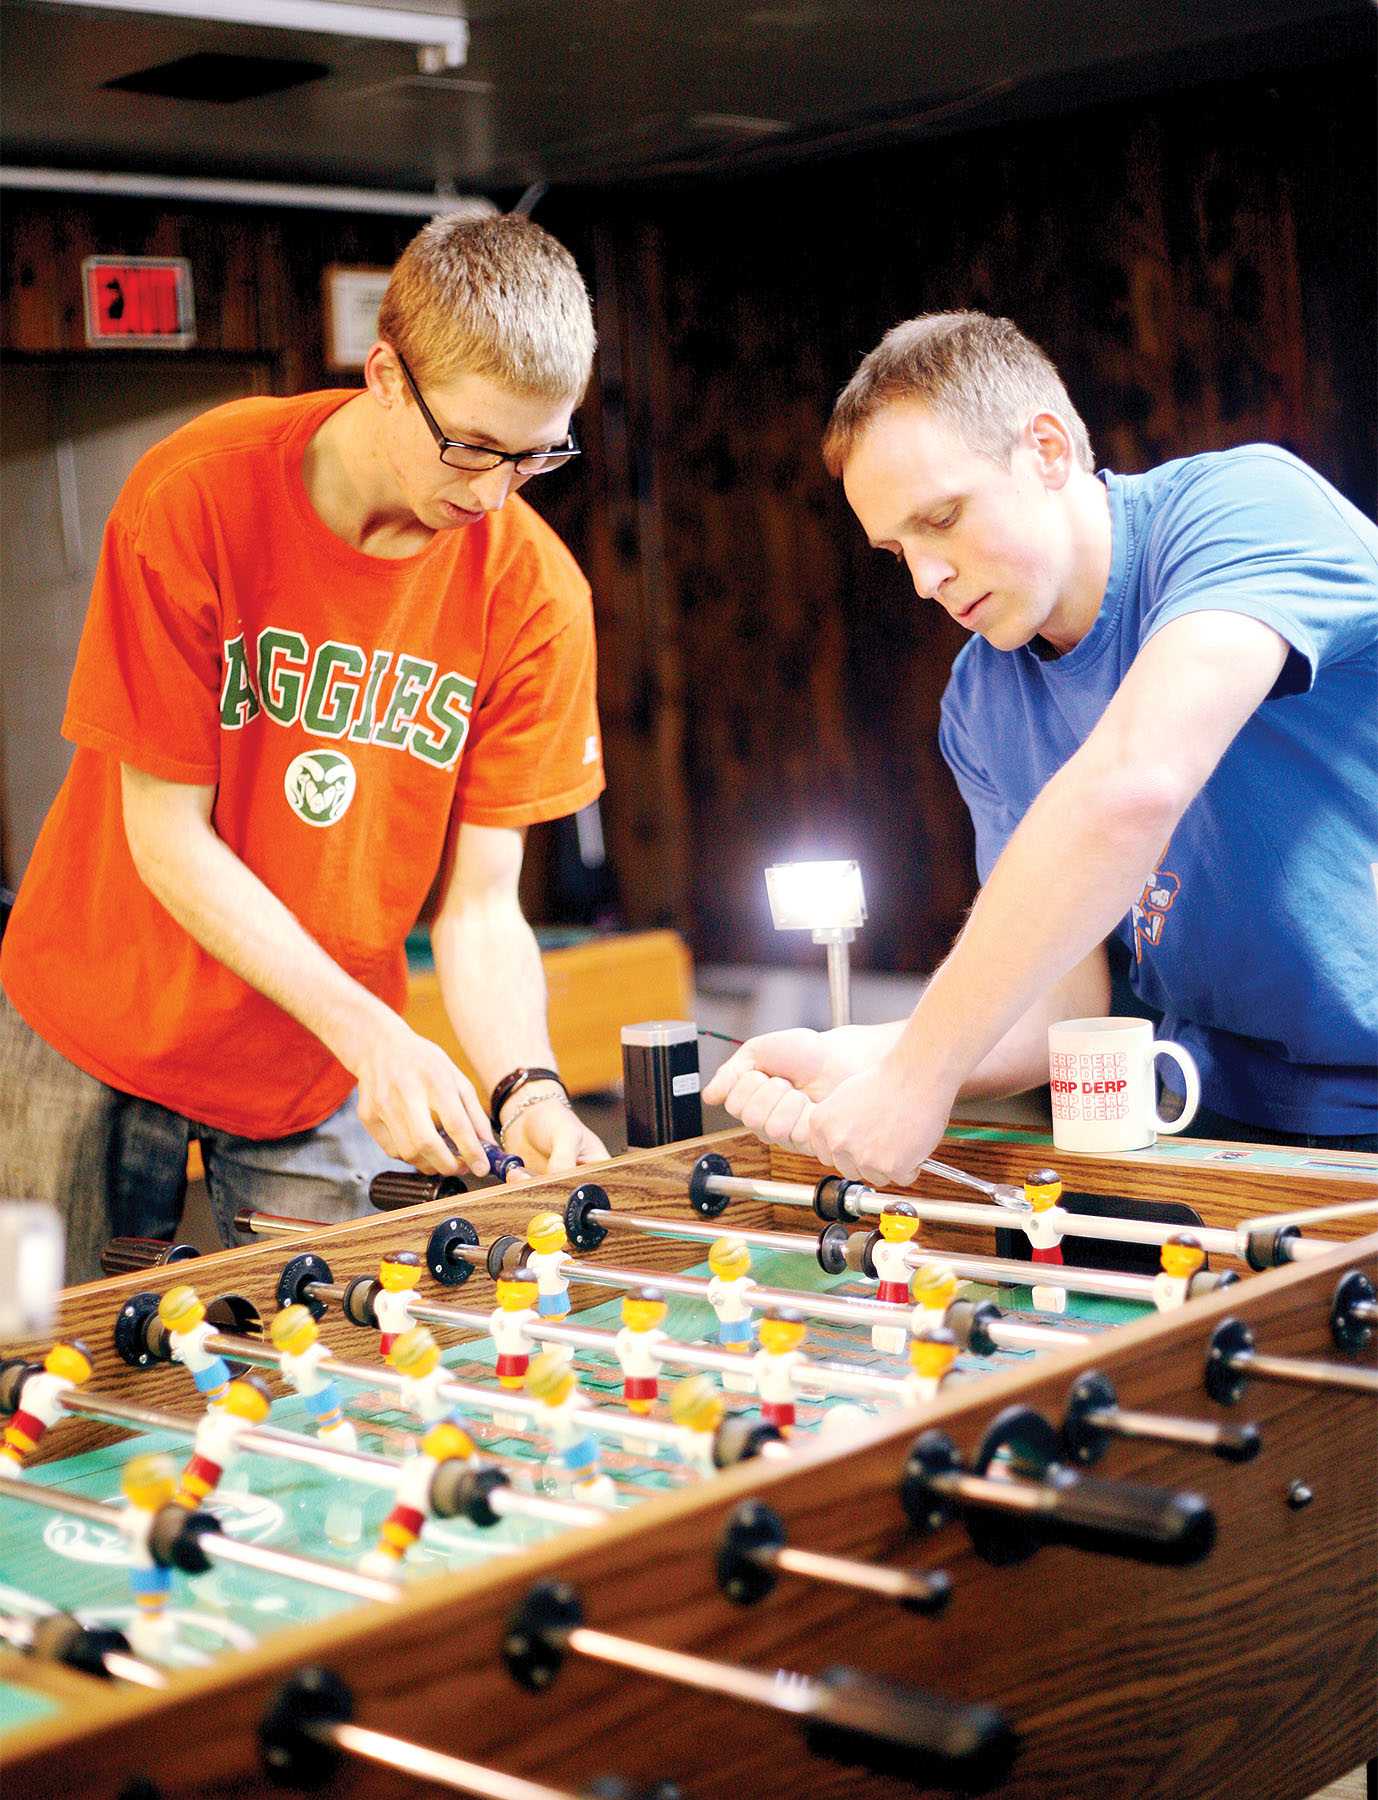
(340, 691)
(1151, 909)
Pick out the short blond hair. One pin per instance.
(497, 297)
(979, 373)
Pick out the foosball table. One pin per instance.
(901, 1511)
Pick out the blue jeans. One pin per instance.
(323, 1173)
(116, 1166)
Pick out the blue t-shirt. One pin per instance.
(1257, 934)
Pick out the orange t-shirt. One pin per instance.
(344, 706)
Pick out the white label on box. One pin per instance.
(685, 1084)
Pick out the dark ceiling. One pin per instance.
(585, 90)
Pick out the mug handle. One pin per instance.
(1185, 1062)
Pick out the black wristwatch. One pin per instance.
(510, 1084)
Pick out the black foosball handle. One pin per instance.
(893, 1729)
(1125, 1518)
(123, 1255)
(396, 1189)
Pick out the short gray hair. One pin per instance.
(979, 373)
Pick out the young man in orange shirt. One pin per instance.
(329, 652)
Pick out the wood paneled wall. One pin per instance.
(1201, 266)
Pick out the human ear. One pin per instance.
(383, 376)
(1051, 442)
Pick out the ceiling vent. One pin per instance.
(209, 75)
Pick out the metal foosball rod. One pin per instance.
(1232, 1361)
(608, 1420)
(836, 1199)
(454, 1245)
(753, 1552)
(354, 1465)
(886, 1726)
(1094, 1416)
(589, 1216)
(824, 1379)
(309, 1730)
(916, 1589)
(190, 1542)
(102, 1652)
(1034, 1499)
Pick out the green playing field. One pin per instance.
(50, 1560)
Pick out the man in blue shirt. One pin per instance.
(1165, 726)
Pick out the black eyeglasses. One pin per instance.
(476, 458)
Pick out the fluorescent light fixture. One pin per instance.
(247, 193)
(446, 32)
(816, 896)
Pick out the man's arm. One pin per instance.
(1068, 874)
(1020, 1060)
(493, 987)
(405, 1081)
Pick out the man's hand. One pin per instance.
(551, 1139)
(772, 1082)
(877, 1127)
(407, 1084)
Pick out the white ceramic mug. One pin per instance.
(1101, 1075)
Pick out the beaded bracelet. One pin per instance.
(526, 1106)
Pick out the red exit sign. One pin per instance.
(138, 302)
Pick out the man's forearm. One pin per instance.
(493, 986)
(1065, 879)
(1019, 1060)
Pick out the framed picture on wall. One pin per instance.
(351, 295)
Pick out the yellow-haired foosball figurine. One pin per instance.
(893, 1256)
(297, 1336)
(65, 1367)
(443, 1443)
(729, 1294)
(1181, 1257)
(774, 1365)
(697, 1407)
(545, 1264)
(931, 1358)
(1043, 1191)
(216, 1444)
(399, 1276)
(576, 1462)
(184, 1317)
(148, 1484)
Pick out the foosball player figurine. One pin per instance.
(729, 1289)
(216, 1444)
(442, 1444)
(296, 1334)
(416, 1357)
(507, 1326)
(892, 1254)
(184, 1317)
(697, 1407)
(931, 1358)
(545, 1264)
(39, 1403)
(933, 1289)
(1182, 1258)
(399, 1276)
(782, 1333)
(643, 1313)
(148, 1484)
(1043, 1190)
(575, 1463)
